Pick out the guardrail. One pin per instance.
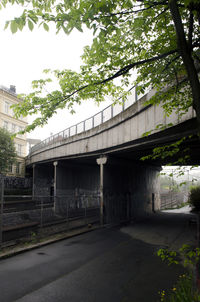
(92, 122)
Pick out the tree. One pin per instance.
(158, 38)
(7, 151)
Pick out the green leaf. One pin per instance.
(46, 27)
(13, 26)
(6, 25)
(30, 25)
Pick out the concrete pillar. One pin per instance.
(101, 161)
(55, 163)
(33, 186)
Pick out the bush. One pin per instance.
(194, 198)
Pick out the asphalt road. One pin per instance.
(107, 265)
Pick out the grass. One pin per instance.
(183, 291)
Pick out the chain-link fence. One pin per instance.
(23, 215)
(1, 208)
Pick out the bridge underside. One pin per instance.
(129, 189)
(190, 147)
(123, 186)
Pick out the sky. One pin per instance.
(24, 55)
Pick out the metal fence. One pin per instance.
(172, 199)
(94, 121)
(21, 215)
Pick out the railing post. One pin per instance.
(93, 121)
(102, 117)
(1, 214)
(136, 96)
(111, 108)
(123, 106)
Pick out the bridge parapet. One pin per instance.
(94, 121)
(128, 123)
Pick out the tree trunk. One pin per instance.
(188, 61)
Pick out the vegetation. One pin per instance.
(160, 39)
(194, 197)
(169, 184)
(184, 290)
(7, 151)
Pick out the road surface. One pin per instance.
(107, 265)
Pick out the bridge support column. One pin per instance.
(101, 162)
(55, 163)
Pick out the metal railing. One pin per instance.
(172, 199)
(21, 215)
(92, 122)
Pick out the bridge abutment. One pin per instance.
(131, 191)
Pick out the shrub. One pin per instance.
(194, 197)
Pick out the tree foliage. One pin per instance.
(158, 38)
(7, 151)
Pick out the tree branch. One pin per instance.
(121, 72)
(191, 24)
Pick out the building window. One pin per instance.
(13, 128)
(18, 166)
(20, 129)
(11, 111)
(5, 125)
(19, 149)
(6, 107)
(10, 168)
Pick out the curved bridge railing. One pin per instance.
(92, 122)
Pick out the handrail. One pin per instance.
(91, 122)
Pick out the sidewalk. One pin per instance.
(168, 229)
(24, 247)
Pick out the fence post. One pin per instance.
(1, 214)
(41, 213)
(86, 212)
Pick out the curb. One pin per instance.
(21, 250)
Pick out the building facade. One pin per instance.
(9, 97)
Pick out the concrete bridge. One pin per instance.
(98, 160)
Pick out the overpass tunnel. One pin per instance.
(119, 190)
